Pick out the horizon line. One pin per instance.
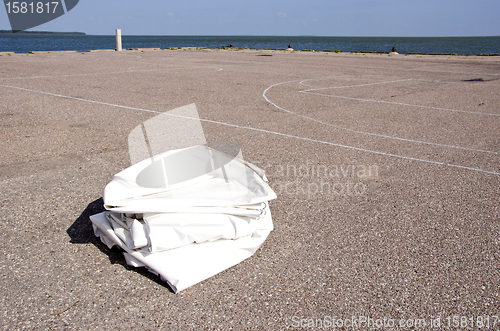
(262, 35)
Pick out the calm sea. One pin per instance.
(449, 45)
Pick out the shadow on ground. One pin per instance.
(81, 232)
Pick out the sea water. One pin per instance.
(23, 43)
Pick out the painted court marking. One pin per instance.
(308, 91)
(398, 103)
(254, 129)
(414, 69)
(364, 132)
(59, 61)
(129, 70)
(375, 134)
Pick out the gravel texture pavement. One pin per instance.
(387, 171)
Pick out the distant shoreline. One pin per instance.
(33, 42)
(42, 33)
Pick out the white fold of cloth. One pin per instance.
(186, 214)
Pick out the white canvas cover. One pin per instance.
(186, 214)
(185, 209)
(197, 176)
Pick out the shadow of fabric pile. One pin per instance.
(81, 232)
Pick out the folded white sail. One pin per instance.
(187, 214)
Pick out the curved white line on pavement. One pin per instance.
(370, 133)
(380, 135)
(254, 129)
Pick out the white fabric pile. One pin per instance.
(186, 214)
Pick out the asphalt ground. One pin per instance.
(387, 170)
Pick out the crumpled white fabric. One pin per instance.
(186, 214)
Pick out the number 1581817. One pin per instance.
(31, 8)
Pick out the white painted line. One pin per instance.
(349, 77)
(421, 70)
(54, 55)
(359, 85)
(80, 99)
(401, 104)
(391, 102)
(112, 72)
(375, 134)
(469, 168)
(369, 133)
(252, 129)
(393, 137)
(272, 103)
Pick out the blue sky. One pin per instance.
(287, 18)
